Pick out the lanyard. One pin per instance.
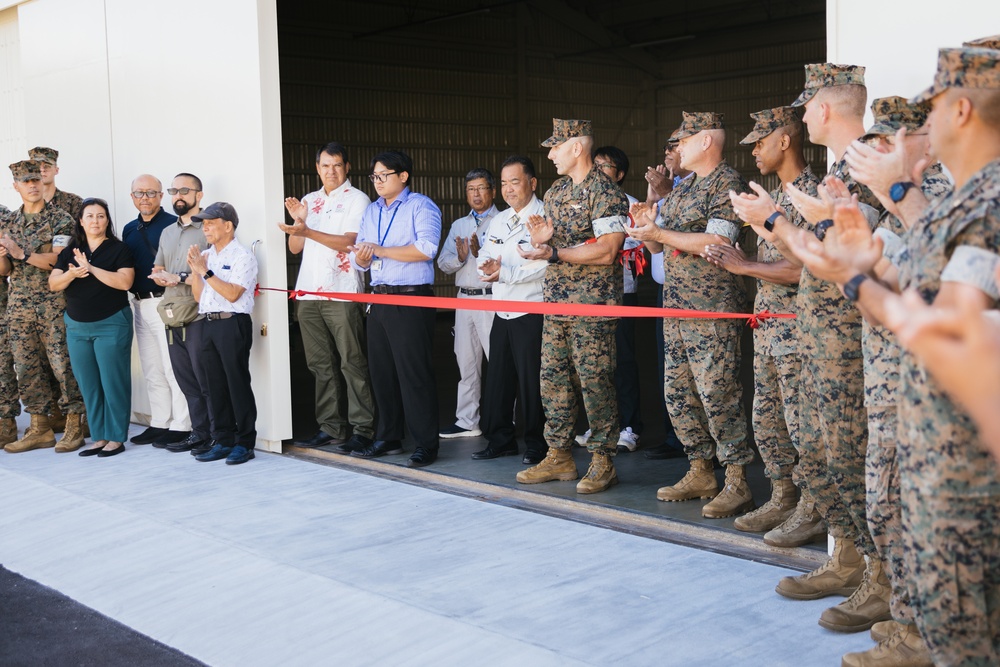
(382, 239)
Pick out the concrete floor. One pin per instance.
(281, 561)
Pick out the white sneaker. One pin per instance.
(628, 440)
(583, 438)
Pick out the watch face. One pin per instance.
(898, 191)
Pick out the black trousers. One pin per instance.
(400, 348)
(627, 371)
(184, 345)
(225, 358)
(515, 367)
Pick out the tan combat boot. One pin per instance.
(904, 648)
(558, 464)
(601, 475)
(8, 431)
(699, 482)
(866, 606)
(735, 497)
(802, 527)
(38, 435)
(773, 513)
(840, 575)
(57, 420)
(885, 629)
(72, 440)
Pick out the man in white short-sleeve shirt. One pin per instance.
(324, 224)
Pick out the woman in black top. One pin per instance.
(96, 271)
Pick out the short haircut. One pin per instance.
(526, 164)
(616, 155)
(333, 149)
(718, 137)
(194, 178)
(396, 161)
(483, 173)
(986, 102)
(850, 99)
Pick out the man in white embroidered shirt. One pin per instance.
(324, 226)
(223, 281)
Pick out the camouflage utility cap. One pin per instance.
(892, 113)
(769, 120)
(26, 170)
(563, 130)
(43, 154)
(985, 43)
(693, 123)
(963, 68)
(827, 75)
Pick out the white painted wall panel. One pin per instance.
(12, 132)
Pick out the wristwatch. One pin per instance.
(554, 257)
(897, 192)
(183, 275)
(852, 286)
(771, 219)
(822, 227)
(208, 274)
(27, 254)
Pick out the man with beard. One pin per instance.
(169, 421)
(171, 272)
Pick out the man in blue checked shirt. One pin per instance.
(398, 239)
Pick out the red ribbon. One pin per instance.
(534, 307)
(634, 256)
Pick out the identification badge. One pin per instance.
(377, 264)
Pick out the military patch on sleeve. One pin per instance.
(973, 266)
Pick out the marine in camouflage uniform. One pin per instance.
(702, 386)
(35, 318)
(578, 353)
(949, 484)
(67, 201)
(10, 406)
(881, 365)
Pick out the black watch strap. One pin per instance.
(771, 219)
(897, 192)
(822, 227)
(554, 257)
(852, 286)
(208, 274)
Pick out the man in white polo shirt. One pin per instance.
(325, 224)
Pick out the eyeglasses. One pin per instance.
(148, 194)
(605, 165)
(381, 178)
(180, 191)
(478, 188)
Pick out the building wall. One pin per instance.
(123, 88)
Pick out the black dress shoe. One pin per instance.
(356, 443)
(170, 437)
(148, 436)
(92, 451)
(533, 458)
(490, 453)
(379, 448)
(319, 439)
(204, 447)
(187, 444)
(111, 452)
(420, 458)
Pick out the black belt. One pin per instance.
(399, 289)
(468, 291)
(148, 295)
(218, 316)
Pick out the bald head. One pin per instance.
(146, 182)
(147, 192)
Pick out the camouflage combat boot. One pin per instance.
(885, 629)
(57, 420)
(802, 527)
(866, 606)
(600, 475)
(699, 482)
(72, 440)
(8, 431)
(558, 464)
(773, 513)
(840, 575)
(735, 497)
(38, 435)
(904, 648)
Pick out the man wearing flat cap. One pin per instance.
(30, 240)
(776, 138)
(223, 280)
(67, 201)
(581, 235)
(949, 484)
(702, 357)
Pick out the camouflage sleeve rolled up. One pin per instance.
(579, 214)
(28, 283)
(702, 206)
